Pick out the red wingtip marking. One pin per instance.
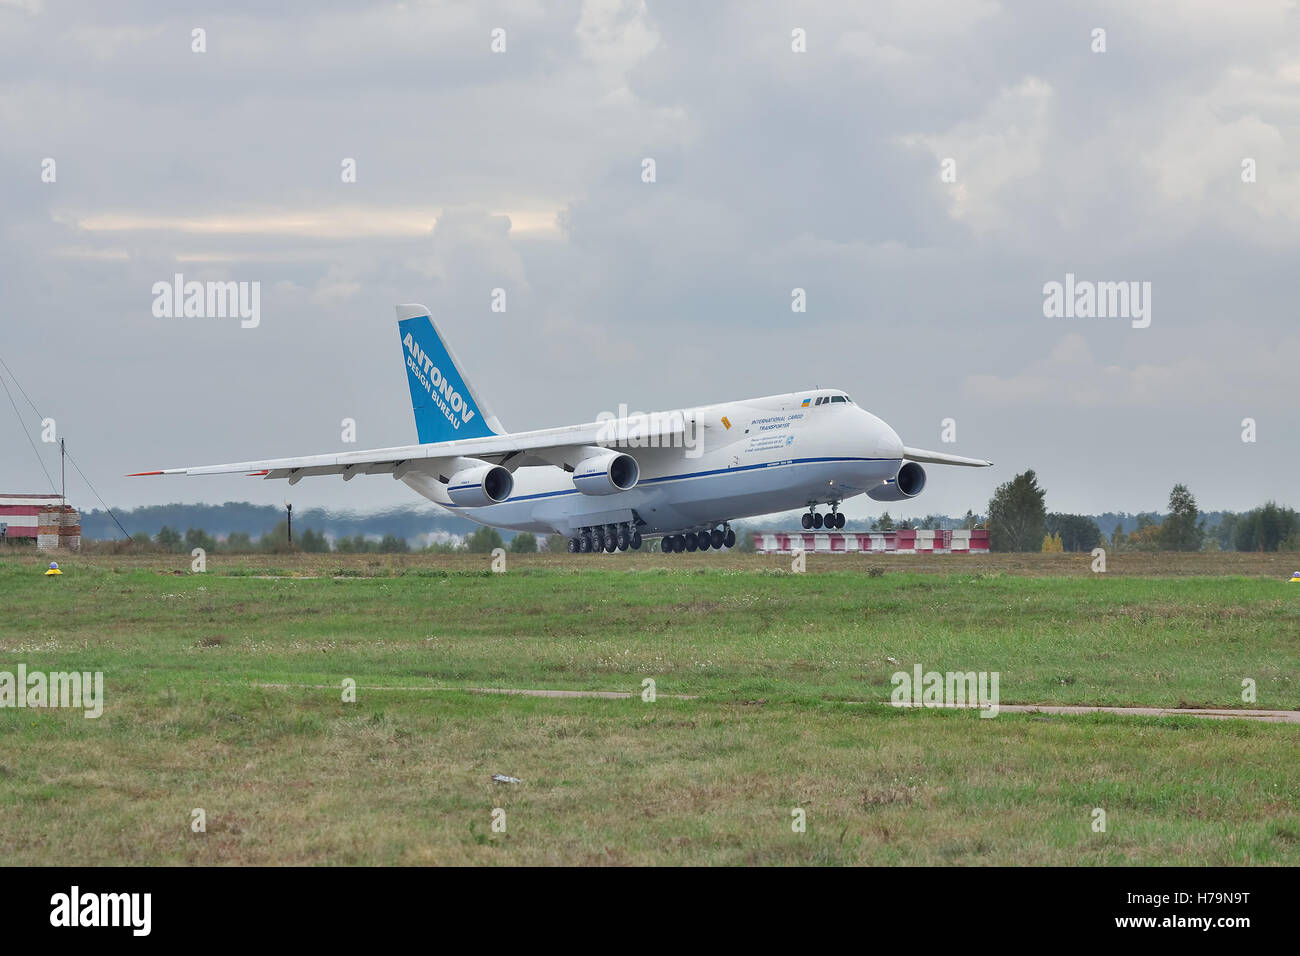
(140, 474)
(258, 474)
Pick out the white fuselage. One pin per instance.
(777, 455)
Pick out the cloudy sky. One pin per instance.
(775, 170)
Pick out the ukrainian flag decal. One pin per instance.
(805, 403)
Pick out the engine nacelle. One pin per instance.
(908, 484)
(606, 474)
(484, 485)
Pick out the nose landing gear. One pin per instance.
(814, 521)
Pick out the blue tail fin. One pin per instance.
(446, 406)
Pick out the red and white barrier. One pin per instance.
(906, 541)
(42, 517)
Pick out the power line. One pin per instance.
(23, 426)
(65, 450)
(19, 386)
(96, 494)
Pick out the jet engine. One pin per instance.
(483, 485)
(606, 474)
(908, 484)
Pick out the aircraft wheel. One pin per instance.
(807, 521)
(584, 544)
(573, 546)
(817, 520)
(623, 539)
(703, 540)
(729, 539)
(716, 540)
(636, 541)
(839, 521)
(691, 542)
(610, 541)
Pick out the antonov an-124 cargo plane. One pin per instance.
(609, 484)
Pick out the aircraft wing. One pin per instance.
(547, 446)
(939, 458)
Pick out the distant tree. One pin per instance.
(276, 541)
(970, 521)
(484, 540)
(557, 543)
(1118, 539)
(357, 544)
(1017, 515)
(883, 523)
(931, 522)
(904, 524)
(392, 544)
(198, 538)
(169, 539)
(237, 541)
(745, 542)
(1266, 528)
(1222, 534)
(1052, 544)
(444, 547)
(1181, 531)
(1147, 535)
(1075, 532)
(523, 543)
(313, 542)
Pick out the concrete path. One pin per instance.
(524, 691)
(1273, 716)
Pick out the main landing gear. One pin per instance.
(716, 539)
(833, 521)
(607, 537)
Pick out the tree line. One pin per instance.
(1018, 520)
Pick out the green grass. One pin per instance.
(789, 671)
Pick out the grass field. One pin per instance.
(222, 693)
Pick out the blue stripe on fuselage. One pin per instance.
(697, 474)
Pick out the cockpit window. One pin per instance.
(838, 398)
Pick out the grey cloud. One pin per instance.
(775, 170)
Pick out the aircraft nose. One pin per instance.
(882, 441)
(892, 444)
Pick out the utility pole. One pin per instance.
(63, 473)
